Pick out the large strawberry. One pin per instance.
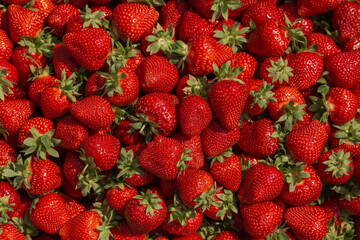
(327, 46)
(8, 231)
(89, 48)
(345, 20)
(132, 20)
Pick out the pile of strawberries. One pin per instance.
(198, 119)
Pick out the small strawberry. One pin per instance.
(119, 195)
(275, 70)
(37, 87)
(309, 8)
(227, 235)
(128, 138)
(6, 46)
(9, 200)
(171, 14)
(261, 95)
(247, 62)
(346, 137)
(216, 9)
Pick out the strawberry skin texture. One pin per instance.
(255, 138)
(307, 222)
(261, 219)
(261, 11)
(227, 99)
(53, 102)
(261, 183)
(89, 48)
(269, 39)
(326, 45)
(43, 125)
(352, 206)
(215, 139)
(118, 197)
(104, 149)
(60, 16)
(13, 113)
(309, 8)
(23, 22)
(122, 231)
(94, 111)
(227, 235)
(172, 14)
(345, 19)
(6, 46)
(193, 236)
(63, 60)
(342, 105)
(132, 20)
(305, 143)
(249, 64)
(37, 87)
(72, 167)
(14, 197)
(10, 232)
(192, 25)
(7, 153)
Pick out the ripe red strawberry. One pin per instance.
(350, 199)
(326, 45)
(8, 231)
(227, 235)
(63, 60)
(335, 166)
(132, 20)
(261, 95)
(72, 167)
(290, 9)
(103, 149)
(261, 219)
(307, 222)
(37, 87)
(227, 99)
(303, 185)
(248, 64)
(261, 11)
(49, 213)
(126, 138)
(119, 195)
(194, 115)
(13, 113)
(45, 7)
(71, 132)
(256, 138)
(23, 22)
(6, 46)
(9, 200)
(172, 13)
(345, 20)
(353, 45)
(89, 48)
(309, 8)
(123, 231)
(192, 25)
(94, 111)
(192, 183)
(215, 139)
(9, 78)
(60, 16)
(145, 212)
(227, 171)
(7, 153)
(261, 183)
(305, 143)
(343, 69)
(346, 137)
(307, 69)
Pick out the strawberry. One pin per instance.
(248, 64)
(123, 231)
(346, 137)
(103, 149)
(335, 166)
(132, 20)
(194, 115)
(307, 69)
(7, 153)
(49, 219)
(63, 60)
(60, 16)
(192, 25)
(261, 183)
(84, 48)
(215, 139)
(227, 235)
(164, 157)
(353, 45)
(309, 8)
(326, 45)
(344, 19)
(218, 9)
(261, 95)
(275, 70)
(9, 78)
(38, 86)
(45, 7)
(227, 99)
(145, 212)
(71, 132)
(256, 138)
(305, 143)
(13, 113)
(307, 222)
(172, 13)
(6, 46)
(125, 137)
(303, 185)
(343, 69)
(261, 219)
(9, 200)
(23, 22)
(261, 11)
(94, 111)
(72, 167)
(119, 195)
(8, 231)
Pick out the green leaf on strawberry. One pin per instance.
(221, 7)
(5, 85)
(232, 36)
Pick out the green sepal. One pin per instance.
(228, 204)
(228, 153)
(128, 165)
(280, 71)
(232, 36)
(263, 95)
(349, 133)
(152, 3)
(150, 200)
(184, 159)
(292, 115)
(180, 211)
(5, 84)
(160, 39)
(298, 41)
(197, 86)
(206, 199)
(122, 113)
(5, 207)
(320, 107)
(25, 225)
(226, 72)
(109, 219)
(348, 191)
(294, 174)
(339, 163)
(70, 86)
(144, 125)
(40, 145)
(120, 54)
(222, 7)
(94, 19)
(18, 172)
(112, 81)
(178, 53)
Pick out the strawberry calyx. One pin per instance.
(228, 153)
(39, 71)
(94, 19)
(151, 3)
(348, 191)
(150, 200)
(5, 84)
(109, 219)
(40, 144)
(222, 7)
(18, 172)
(182, 163)
(210, 231)
(263, 95)
(128, 165)
(69, 86)
(178, 53)
(5, 207)
(298, 41)
(112, 81)
(339, 163)
(144, 125)
(349, 133)
(206, 199)
(233, 36)
(344, 231)
(226, 72)
(294, 174)
(120, 53)
(160, 39)
(292, 113)
(90, 178)
(122, 113)
(180, 211)
(280, 71)
(320, 107)
(197, 86)
(279, 233)
(228, 204)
